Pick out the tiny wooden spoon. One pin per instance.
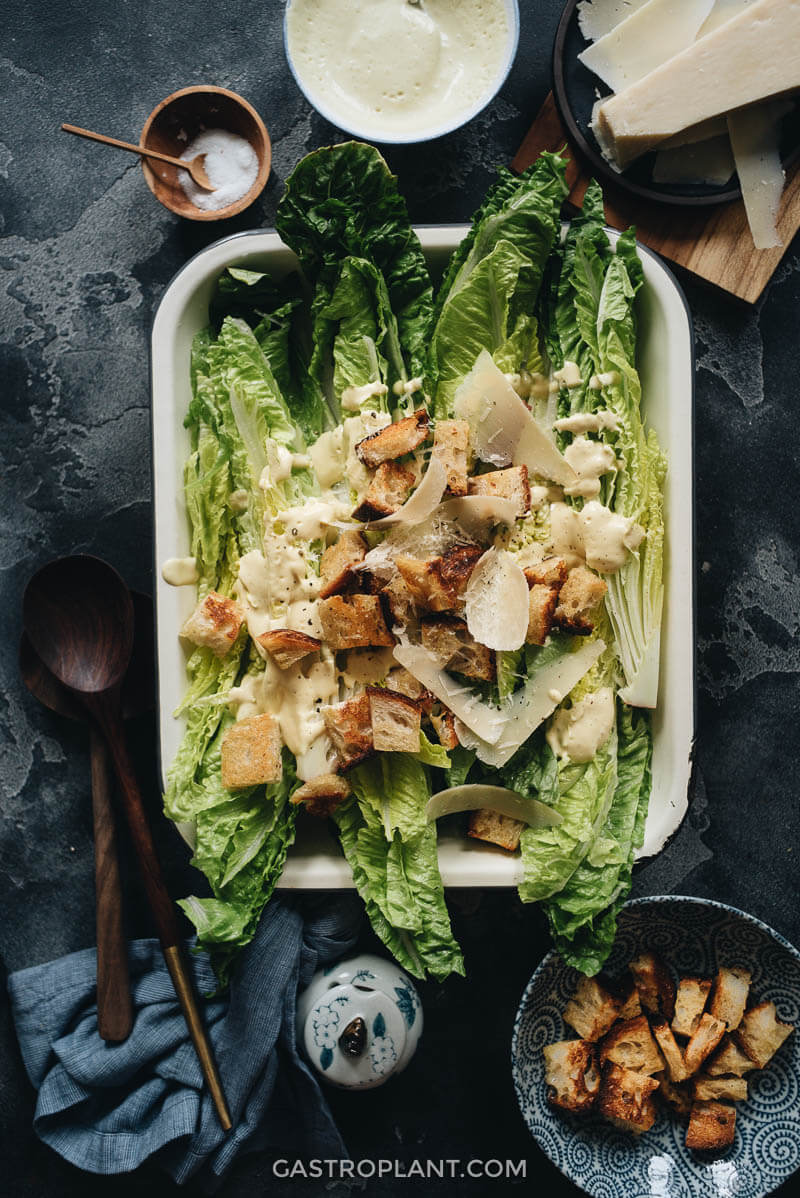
(194, 166)
(78, 615)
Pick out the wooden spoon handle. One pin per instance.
(124, 145)
(114, 1009)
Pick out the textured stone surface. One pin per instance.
(85, 255)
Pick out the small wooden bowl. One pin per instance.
(174, 124)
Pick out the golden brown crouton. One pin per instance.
(729, 1059)
(450, 641)
(506, 484)
(288, 646)
(438, 583)
(761, 1033)
(451, 446)
(625, 989)
(444, 725)
(349, 726)
(592, 1009)
(337, 562)
(494, 828)
(707, 1036)
(394, 440)
(631, 1044)
(542, 603)
(577, 599)
(626, 1098)
(690, 1002)
(712, 1126)
(323, 794)
(397, 600)
(388, 490)
(214, 624)
(395, 720)
(677, 1096)
(672, 1053)
(552, 572)
(654, 982)
(251, 752)
(353, 621)
(731, 987)
(712, 1089)
(571, 1075)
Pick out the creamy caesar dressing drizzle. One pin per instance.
(294, 696)
(387, 66)
(587, 422)
(311, 520)
(609, 378)
(595, 535)
(355, 429)
(569, 375)
(579, 731)
(180, 571)
(327, 456)
(590, 460)
(353, 398)
(400, 388)
(365, 667)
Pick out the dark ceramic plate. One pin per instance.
(575, 89)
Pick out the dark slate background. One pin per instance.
(85, 254)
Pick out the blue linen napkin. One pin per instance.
(108, 1107)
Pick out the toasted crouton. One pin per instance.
(761, 1033)
(394, 440)
(506, 484)
(214, 624)
(672, 1053)
(731, 987)
(444, 725)
(577, 599)
(450, 641)
(438, 583)
(251, 752)
(323, 794)
(707, 1036)
(690, 1001)
(712, 1126)
(353, 621)
(388, 490)
(654, 982)
(552, 572)
(592, 1009)
(542, 603)
(713, 1089)
(676, 1095)
(451, 446)
(337, 562)
(630, 1043)
(571, 1075)
(729, 1059)
(626, 1098)
(288, 646)
(625, 990)
(349, 726)
(397, 600)
(395, 720)
(494, 828)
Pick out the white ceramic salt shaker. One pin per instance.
(359, 1021)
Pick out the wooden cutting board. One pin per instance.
(713, 243)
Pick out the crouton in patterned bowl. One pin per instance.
(732, 1024)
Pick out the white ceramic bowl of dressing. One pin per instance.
(399, 71)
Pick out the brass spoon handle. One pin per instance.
(114, 1008)
(125, 145)
(104, 707)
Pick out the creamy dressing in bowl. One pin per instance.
(398, 71)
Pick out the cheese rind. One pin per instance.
(754, 56)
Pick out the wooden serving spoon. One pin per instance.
(78, 615)
(114, 1010)
(194, 166)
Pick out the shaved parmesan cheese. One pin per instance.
(478, 796)
(754, 138)
(502, 429)
(700, 162)
(598, 17)
(477, 514)
(423, 502)
(722, 11)
(644, 40)
(485, 721)
(496, 601)
(530, 706)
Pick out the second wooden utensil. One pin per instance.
(78, 615)
(195, 165)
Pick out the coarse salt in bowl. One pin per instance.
(231, 165)
(400, 71)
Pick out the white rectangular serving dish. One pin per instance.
(666, 365)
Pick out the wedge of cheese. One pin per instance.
(645, 39)
(754, 56)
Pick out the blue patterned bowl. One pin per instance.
(695, 936)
